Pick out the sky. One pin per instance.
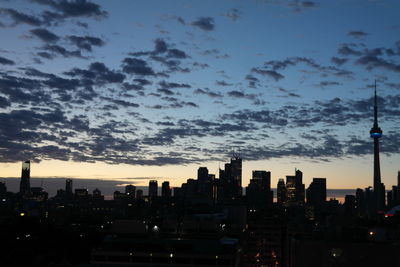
(137, 90)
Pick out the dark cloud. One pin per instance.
(215, 53)
(269, 73)
(97, 73)
(85, 42)
(160, 46)
(338, 61)
(53, 50)
(288, 93)
(204, 23)
(253, 97)
(137, 66)
(327, 83)
(121, 103)
(357, 34)
(208, 92)
(308, 4)
(45, 55)
(222, 83)
(45, 35)
(163, 54)
(271, 67)
(4, 102)
(6, 61)
(171, 85)
(19, 17)
(200, 65)
(370, 62)
(299, 6)
(74, 8)
(165, 91)
(176, 53)
(233, 13)
(349, 50)
(252, 81)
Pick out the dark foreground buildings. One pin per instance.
(205, 222)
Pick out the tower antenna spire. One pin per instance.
(375, 109)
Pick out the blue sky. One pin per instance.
(124, 89)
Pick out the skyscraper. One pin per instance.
(376, 133)
(259, 194)
(281, 191)
(68, 187)
(166, 190)
(25, 184)
(153, 188)
(202, 174)
(316, 192)
(130, 190)
(295, 188)
(231, 178)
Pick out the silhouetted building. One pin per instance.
(139, 194)
(166, 190)
(68, 194)
(25, 184)
(130, 190)
(316, 192)
(97, 196)
(119, 196)
(360, 204)
(38, 194)
(350, 205)
(202, 174)
(231, 179)
(236, 172)
(295, 188)
(81, 194)
(153, 188)
(68, 186)
(258, 192)
(281, 191)
(376, 133)
(398, 178)
(205, 182)
(3, 189)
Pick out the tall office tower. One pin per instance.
(236, 172)
(204, 180)
(153, 188)
(281, 191)
(264, 179)
(25, 184)
(202, 174)
(376, 133)
(68, 187)
(396, 196)
(258, 193)
(316, 192)
(360, 202)
(398, 179)
(130, 190)
(139, 194)
(349, 205)
(231, 179)
(295, 188)
(166, 190)
(3, 189)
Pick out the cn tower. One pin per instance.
(376, 133)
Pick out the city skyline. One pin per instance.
(155, 90)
